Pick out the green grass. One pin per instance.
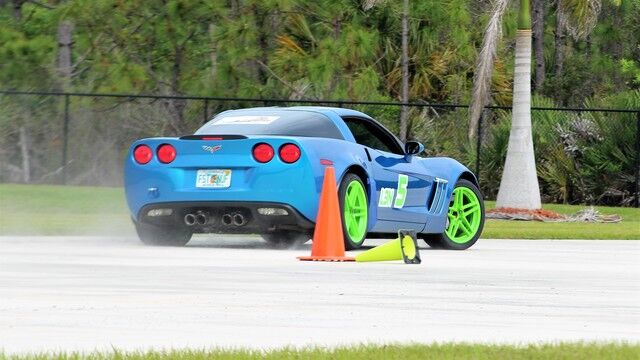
(627, 229)
(62, 210)
(373, 352)
(76, 210)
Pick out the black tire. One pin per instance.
(350, 244)
(285, 239)
(162, 236)
(442, 241)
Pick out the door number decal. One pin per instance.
(386, 197)
(387, 194)
(403, 182)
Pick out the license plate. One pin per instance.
(213, 178)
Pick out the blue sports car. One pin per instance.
(260, 171)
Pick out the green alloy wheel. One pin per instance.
(464, 215)
(465, 219)
(355, 211)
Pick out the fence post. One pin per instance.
(478, 144)
(638, 159)
(205, 115)
(65, 135)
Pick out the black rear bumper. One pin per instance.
(256, 223)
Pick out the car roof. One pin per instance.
(336, 110)
(335, 114)
(326, 110)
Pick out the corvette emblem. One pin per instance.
(211, 149)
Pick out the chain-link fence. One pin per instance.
(583, 155)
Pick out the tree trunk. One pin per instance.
(404, 96)
(235, 8)
(17, 9)
(617, 50)
(260, 22)
(337, 27)
(519, 185)
(24, 152)
(337, 32)
(177, 106)
(65, 43)
(213, 54)
(559, 47)
(538, 42)
(263, 45)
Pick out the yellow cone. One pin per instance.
(403, 248)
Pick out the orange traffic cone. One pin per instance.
(328, 241)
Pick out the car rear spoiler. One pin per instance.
(213, 137)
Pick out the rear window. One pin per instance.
(271, 122)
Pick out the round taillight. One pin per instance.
(263, 152)
(166, 153)
(142, 154)
(289, 153)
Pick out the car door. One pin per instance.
(401, 186)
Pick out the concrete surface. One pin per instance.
(83, 293)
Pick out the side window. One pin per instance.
(368, 134)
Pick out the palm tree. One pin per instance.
(519, 185)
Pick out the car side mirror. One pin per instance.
(413, 148)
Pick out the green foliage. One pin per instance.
(598, 64)
(581, 157)
(141, 46)
(27, 51)
(299, 49)
(631, 69)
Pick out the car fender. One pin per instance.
(446, 168)
(344, 156)
(449, 170)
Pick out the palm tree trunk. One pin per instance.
(519, 185)
(538, 42)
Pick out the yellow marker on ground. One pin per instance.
(405, 248)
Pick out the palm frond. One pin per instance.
(484, 66)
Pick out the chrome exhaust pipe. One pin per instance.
(238, 219)
(227, 219)
(190, 219)
(202, 218)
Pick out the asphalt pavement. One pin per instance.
(87, 293)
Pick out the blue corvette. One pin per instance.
(260, 171)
